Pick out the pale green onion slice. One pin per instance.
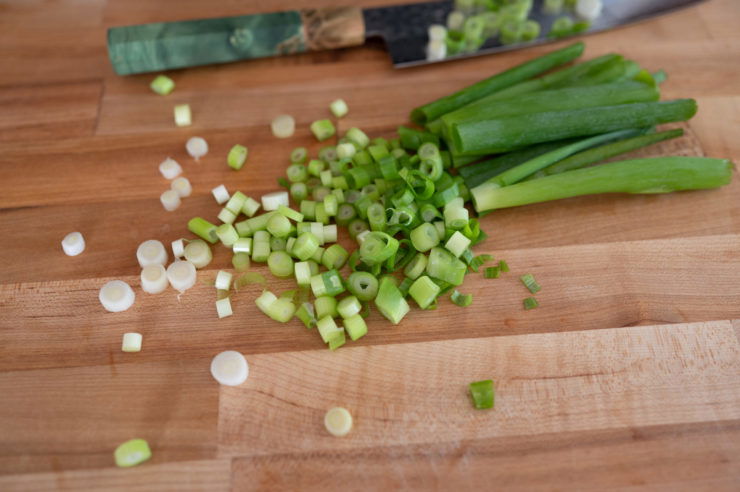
(198, 253)
(265, 300)
(482, 393)
(223, 280)
(317, 229)
(345, 151)
(240, 261)
(424, 237)
(329, 233)
(338, 421)
(298, 155)
(243, 245)
(280, 264)
(170, 200)
(151, 252)
(457, 244)
(203, 229)
(530, 283)
(357, 136)
(323, 129)
(348, 307)
(339, 108)
(335, 256)
(230, 368)
(236, 202)
(377, 247)
(226, 216)
(73, 244)
(303, 273)
(443, 265)
(153, 279)
(424, 291)
(305, 246)
(162, 85)
(290, 213)
(183, 116)
(355, 326)
(272, 201)
(278, 225)
(237, 157)
(131, 342)
(327, 283)
(390, 301)
(325, 306)
(331, 203)
(455, 214)
(181, 275)
(282, 310)
(328, 329)
(363, 285)
(251, 206)
(181, 185)
(197, 147)
(221, 194)
(462, 300)
(116, 296)
(283, 126)
(416, 266)
(326, 178)
(170, 169)
(178, 248)
(530, 303)
(305, 313)
(132, 453)
(223, 308)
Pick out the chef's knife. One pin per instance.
(170, 45)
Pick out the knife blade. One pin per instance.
(404, 28)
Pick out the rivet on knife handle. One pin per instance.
(169, 45)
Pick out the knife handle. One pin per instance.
(170, 45)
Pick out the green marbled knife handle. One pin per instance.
(168, 45)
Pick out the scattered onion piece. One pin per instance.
(283, 126)
(116, 296)
(230, 368)
(182, 275)
(73, 244)
(338, 421)
(197, 147)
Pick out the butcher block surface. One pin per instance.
(626, 377)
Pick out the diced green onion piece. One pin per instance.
(237, 157)
(327, 283)
(260, 250)
(424, 237)
(334, 257)
(348, 307)
(323, 129)
(390, 301)
(290, 213)
(325, 306)
(530, 303)
(243, 245)
(227, 234)
(318, 255)
(183, 116)
(297, 173)
(455, 214)
(226, 216)
(271, 201)
(457, 244)
(462, 300)
(298, 191)
(444, 266)
(240, 261)
(223, 308)
(278, 225)
(530, 283)
(330, 205)
(132, 341)
(198, 253)
(377, 247)
(346, 150)
(478, 261)
(328, 329)
(204, 229)
(197, 147)
(482, 394)
(305, 246)
(162, 85)
(376, 216)
(235, 204)
(223, 280)
(503, 266)
(303, 274)
(363, 285)
(305, 313)
(355, 326)
(132, 453)
(424, 291)
(358, 136)
(283, 126)
(338, 108)
(280, 264)
(416, 266)
(298, 155)
(251, 206)
(492, 272)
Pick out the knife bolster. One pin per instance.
(333, 27)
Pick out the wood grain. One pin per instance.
(626, 377)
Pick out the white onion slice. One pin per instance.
(197, 147)
(170, 200)
(230, 368)
(198, 253)
(131, 342)
(283, 126)
(223, 308)
(170, 169)
(178, 248)
(221, 194)
(182, 275)
(272, 201)
(73, 244)
(223, 280)
(338, 421)
(181, 186)
(153, 279)
(116, 296)
(151, 252)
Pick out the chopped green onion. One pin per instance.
(346, 150)
(132, 453)
(221, 194)
(377, 247)
(303, 273)
(327, 283)
(280, 264)
(297, 173)
(260, 249)
(530, 303)
(503, 266)
(170, 169)
(348, 307)
(162, 85)
(230, 368)
(358, 137)
(492, 272)
(279, 309)
(283, 126)
(325, 306)
(198, 253)
(530, 283)
(223, 308)
(338, 421)
(328, 329)
(334, 257)
(455, 214)
(170, 200)
(363, 285)
(299, 155)
(235, 204)
(223, 280)
(298, 191)
(226, 216)
(237, 157)
(132, 341)
(338, 108)
(424, 291)
(390, 301)
(305, 246)
(227, 234)
(117, 296)
(416, 266)
(457, 244)
(153, 279)
(355, 326)
(289, 213)
(250, 207)
(240, 261)
(183, 116)
(151, 252)
(305, 313)
(462, 300)
(272, 201)
(444, 266)
(376, 217)
(330, 233)
(243, 245)
(323, 129)
(478, 261)
(482, 393)
(330, 205)
(181, 275)
(424, 237)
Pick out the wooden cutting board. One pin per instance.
(627, 375)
